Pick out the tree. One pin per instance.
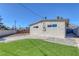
(2, 26)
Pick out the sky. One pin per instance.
(11, 12)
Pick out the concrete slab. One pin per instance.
(65, 41)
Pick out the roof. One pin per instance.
(53, 20)
(72, 26)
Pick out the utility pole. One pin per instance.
(15, 24)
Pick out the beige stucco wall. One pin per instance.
(58, 31)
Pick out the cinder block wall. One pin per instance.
(6, 32)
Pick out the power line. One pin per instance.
(30, 10)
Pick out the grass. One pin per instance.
(36, 47)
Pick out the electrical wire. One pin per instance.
(30, 10)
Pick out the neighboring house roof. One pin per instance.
(72, 26)
(53, 20)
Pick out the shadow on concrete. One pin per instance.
(2, 39)
(71, 35)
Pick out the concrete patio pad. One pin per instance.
(65, 41)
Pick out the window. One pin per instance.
(53, 25)
(35, 27)
(44, 28)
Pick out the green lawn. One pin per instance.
(35, 47)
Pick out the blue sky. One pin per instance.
(24, 17)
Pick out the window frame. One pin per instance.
(52, 25)
(35, 26)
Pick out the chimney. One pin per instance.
(59, 18)
(45, 17)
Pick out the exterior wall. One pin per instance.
(36, 31)
(7, 32)
(58, 31)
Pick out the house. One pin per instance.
(50, 28)
(76, 31)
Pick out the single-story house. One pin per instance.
(51, 28)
